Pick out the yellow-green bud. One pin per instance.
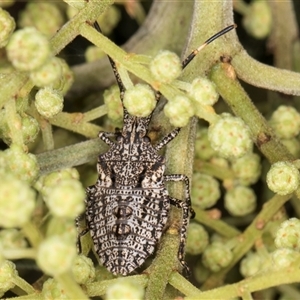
(28, 49)
(48, 102)
(283, 178)
(139, 100)
(7, 26)
(166, 66)
(179, 111)
(230, 136)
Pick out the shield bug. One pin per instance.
(127, 208)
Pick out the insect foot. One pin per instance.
(128, 207)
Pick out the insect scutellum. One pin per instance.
(128, 207)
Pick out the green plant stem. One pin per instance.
(24, 285)
(35, 296)
(70, 286)
(260, 75)
(13, 254)
(254, 283)
(284, 33)
(92, 10)
(164, 264)
(74, 122)
(219, 226)
(247, 239)
(241, 7)
(32, 233)
(70, 156)
(95, 113)
(214, 170)
(99, 288)
(182, 284)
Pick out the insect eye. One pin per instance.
(119, 138)
(146, 139)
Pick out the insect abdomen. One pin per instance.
(126, 225)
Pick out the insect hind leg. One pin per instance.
(183, 231)
(187, 212)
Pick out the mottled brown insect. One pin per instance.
(127, 209)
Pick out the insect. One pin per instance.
(127, 209)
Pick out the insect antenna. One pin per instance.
(191, 56)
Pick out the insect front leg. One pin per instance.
(105, 137)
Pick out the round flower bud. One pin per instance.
(258, 20)
(205, 190)
(48, 102)
(179, 111)
(251, 264)
(7, 274)
(30, 128)
(247, 168)
(284, 257)
(47, 182)
(93, 53)
(121, 289)
(109, 19)
(83, 269)
(16, 203)
(203, 91)
(73, 195)
(113, 103)
(23, 165)
(63, 227)
(47, 74)
(166, 66)
(53, 290)
(197, 239)
(45, 16)
(200, 272)
(203, 149)
(287, 236)
(240, 201)
(56, 255)
(283, 178)
(230, 136)
(293, 145)
(28, 49)
(7, 26)
(216, 256)
(64, 82)
(286, 122)
(12, 238)
(139, 100)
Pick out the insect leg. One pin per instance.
(168, 138)
(186, 207)
(185, 179)
(183, 232)
(81, 233)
